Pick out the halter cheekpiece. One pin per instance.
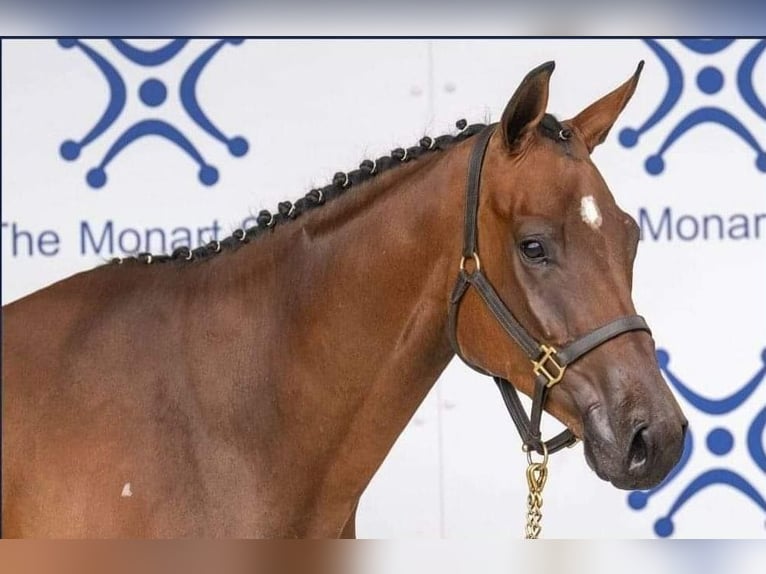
(548, 364)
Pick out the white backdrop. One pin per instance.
(310, 108)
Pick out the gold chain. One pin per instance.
(537, 474)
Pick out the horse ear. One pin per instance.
(595, 121)
(526, 107)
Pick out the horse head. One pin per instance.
(559, 252)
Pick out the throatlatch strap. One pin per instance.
(472, 190)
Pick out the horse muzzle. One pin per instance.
(636, 457)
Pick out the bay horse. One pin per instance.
(251, 387)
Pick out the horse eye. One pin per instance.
(533, 250)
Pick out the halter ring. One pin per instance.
(475, 257)
(528, 450)
(217, 247)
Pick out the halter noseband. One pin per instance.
(548, 364)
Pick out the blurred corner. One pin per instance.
(379, 557)
(399, 18)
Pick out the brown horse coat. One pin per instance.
(254, 393)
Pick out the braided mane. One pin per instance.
(288, 211)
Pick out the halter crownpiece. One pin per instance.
(548, 364)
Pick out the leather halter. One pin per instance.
(548, 364)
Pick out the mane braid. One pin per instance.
(288, 211)
(553, 129)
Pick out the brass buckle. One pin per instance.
(548, 366)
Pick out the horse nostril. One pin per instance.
(638, 450)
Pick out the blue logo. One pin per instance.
(710, 80)
(719, 441)
(153, 94)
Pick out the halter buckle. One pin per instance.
(548, 366)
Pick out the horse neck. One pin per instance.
(348, 307)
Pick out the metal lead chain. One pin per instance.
(537, 474)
